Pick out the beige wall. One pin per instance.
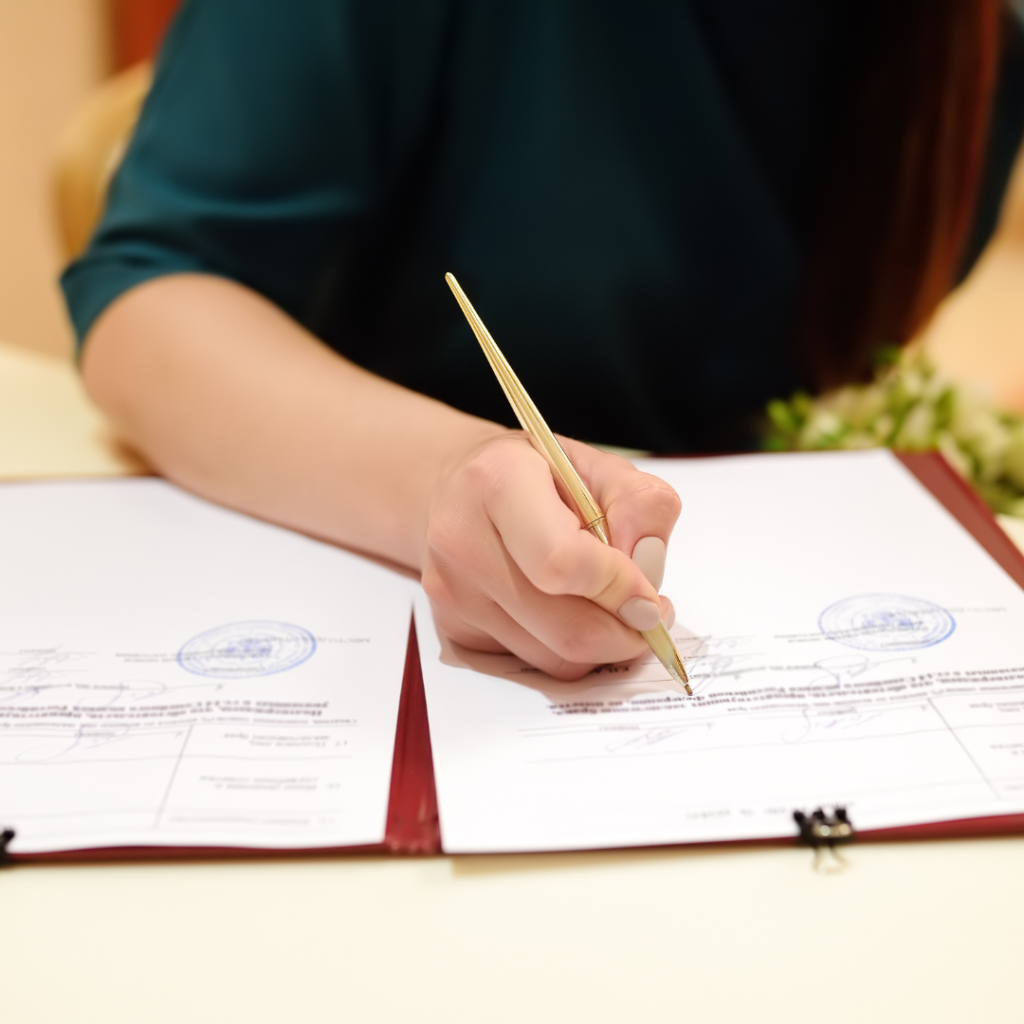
(52, 53)
(978, 334)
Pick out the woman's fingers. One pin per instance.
(641, 509)
(501, 633)
(566, 638)
(508, 565)
(545, 540)
(570, 628)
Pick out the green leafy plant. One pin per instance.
(910, 406)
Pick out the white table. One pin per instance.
(928, 931)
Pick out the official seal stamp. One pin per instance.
(886, 622)
(242, 650)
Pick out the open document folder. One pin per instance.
(174, 674)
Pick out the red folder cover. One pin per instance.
(412, 824)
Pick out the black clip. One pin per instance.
(823, 832)
(5, 840)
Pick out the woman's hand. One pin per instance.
(507, 565)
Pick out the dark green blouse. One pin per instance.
(622, 189)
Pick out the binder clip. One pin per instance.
(823, 833)
(5, 840)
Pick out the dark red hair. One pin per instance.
(898, 201)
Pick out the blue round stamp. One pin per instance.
(241, 650)
(886, 622)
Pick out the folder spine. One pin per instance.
(413, 826)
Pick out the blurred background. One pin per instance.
(55, 53)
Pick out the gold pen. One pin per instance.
(590, 514)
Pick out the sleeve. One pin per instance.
(263, 141)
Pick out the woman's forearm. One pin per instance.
(226, 395)
(229, 397)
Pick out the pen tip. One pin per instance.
(678, 673)
(682, 676)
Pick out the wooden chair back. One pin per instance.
(91, 149)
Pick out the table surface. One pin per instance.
(908, 932)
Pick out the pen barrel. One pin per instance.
(569, 483)
(599, 528)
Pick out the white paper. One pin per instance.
(848, 644)
(176, 674)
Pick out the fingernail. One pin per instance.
(649, 556)
(639, 613)
(669, 616)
